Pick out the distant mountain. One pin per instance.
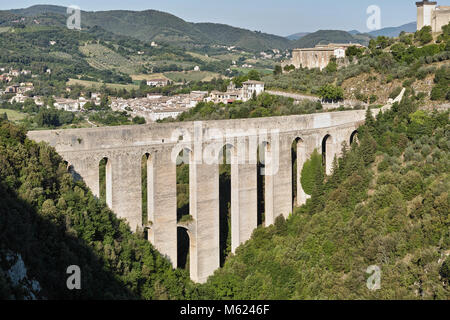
(161, 27)
(152, 25)
(353, 32)
(39, 9)
(297, 36)
(329, 36)
(395, 31)
(253, 40)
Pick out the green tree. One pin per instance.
(278, 70)
(424, 35)
(331, 93)
(332, 66)
(308, 174)
(139, 120)
(254, 75)
(445, 269)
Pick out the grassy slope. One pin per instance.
(97, 85)
(13, 115)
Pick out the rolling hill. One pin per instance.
(329, 36)
(395, 31)
(297, 36)
(162, 27)
(152, 25)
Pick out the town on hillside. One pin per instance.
(108, 90)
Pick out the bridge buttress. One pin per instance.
(204, 206)
(278, 189)
(163, 233)
(244, 203)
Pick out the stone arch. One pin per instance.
(327, 153)
(184, 252)
(183, 176)
(298, 158)
(354, 137)
(147, 189)
(105, 181)
(262, 181)
(226, 160)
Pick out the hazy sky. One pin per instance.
(282, 17)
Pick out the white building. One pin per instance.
(251, 86)
(157, 82)
(339, 53)
(166, 113)
(69, 104)
(232, 94)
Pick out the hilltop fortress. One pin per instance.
(319, 56)
(430, 14)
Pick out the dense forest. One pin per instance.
(53, 222)
(386, 204)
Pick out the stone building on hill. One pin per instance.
(319, 56)
(430, 14)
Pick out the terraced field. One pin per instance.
(61, 55)
(103, 58)
(203, 57)
(97, 85)
(247, 70)
(192, 76)
(140, 77)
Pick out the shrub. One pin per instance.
(445, 269)
(411, 185)
(395, 93)
(309, 172)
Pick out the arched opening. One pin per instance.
(327, 153)
(147, 189)
(183, 161)
(183, 245)
(296, 169)
(261, 181)
(105, 181)
(225, 202)
(354, 137)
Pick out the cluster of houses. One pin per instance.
(75, 105)
(19, 89)
(153, 107)
(11, 74)
(157, 107)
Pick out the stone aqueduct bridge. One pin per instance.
(125, 146)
